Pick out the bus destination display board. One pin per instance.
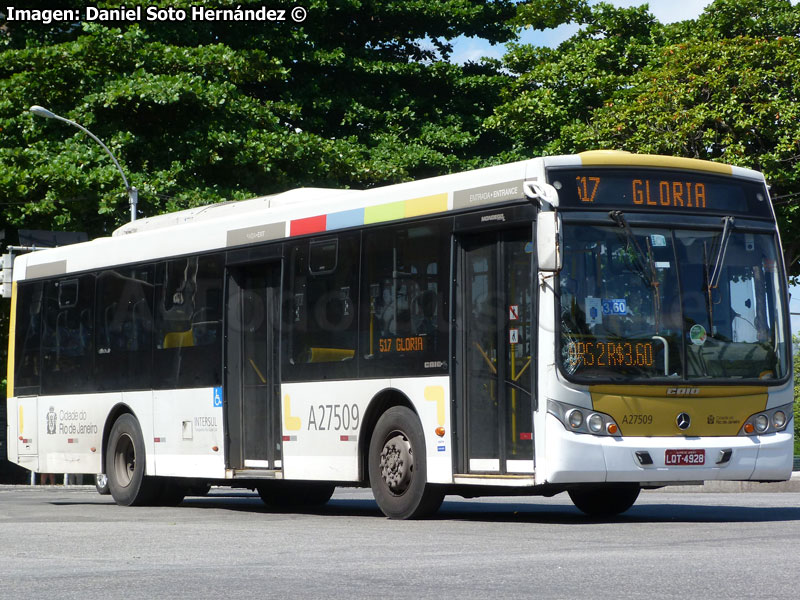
(658, 190)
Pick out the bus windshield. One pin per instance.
(644, 303)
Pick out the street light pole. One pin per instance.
(133, 193)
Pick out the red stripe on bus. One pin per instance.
(308, 225)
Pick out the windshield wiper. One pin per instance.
(647, 268)
(712, 278)
(727, 228)
(644, 262)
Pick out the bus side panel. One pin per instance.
(71, 432)
(187, 427)
(322, 423)
(64, 434)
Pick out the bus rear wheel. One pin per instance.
(125, 464)
(604, 500)
(398, 467)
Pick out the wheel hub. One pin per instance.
(125, 460)
(397, 464)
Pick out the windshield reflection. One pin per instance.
(644, 303)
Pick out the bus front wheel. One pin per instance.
(125, 464)
(398, 467)
(604, 500)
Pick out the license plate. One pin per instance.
(684, 457)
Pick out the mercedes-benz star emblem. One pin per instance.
(684, 421)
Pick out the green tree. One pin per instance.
(554, 88)
(359, 94)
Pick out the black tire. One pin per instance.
(125, 464)
(605, 500)
(101, 484)
(295, 494)
(398, 467)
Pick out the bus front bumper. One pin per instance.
(584, 458)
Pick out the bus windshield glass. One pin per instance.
(645, 303)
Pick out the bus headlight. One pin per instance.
(762, 423)
(767, 421)
(574, 418)
(595, 423)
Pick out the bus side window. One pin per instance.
(321, 315)
(404, 298)
(124, 325)
(28, 338)
(188, 322)
(68, 335)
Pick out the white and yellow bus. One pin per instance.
(592, 324)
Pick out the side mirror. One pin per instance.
(543, 192)
(548, 241)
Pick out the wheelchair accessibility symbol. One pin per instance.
(217, 397)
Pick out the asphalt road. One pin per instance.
(73, 543)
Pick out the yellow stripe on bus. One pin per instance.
(12, 330)
(625, 159)
(435, 393)
(426, 205)
(290, 422)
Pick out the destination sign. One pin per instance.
(656, 190)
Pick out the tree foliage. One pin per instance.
(199, 112)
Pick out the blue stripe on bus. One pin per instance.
(346, 218)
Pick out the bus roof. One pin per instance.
(319, 210)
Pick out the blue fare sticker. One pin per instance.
(618, 306)
(658, 241)
(441, 448)
(217, 397)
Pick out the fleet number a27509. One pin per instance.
(333, 417)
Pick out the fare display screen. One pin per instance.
(630, 353)
(659, 190)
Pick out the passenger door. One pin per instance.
(252, 357)
(494, 339)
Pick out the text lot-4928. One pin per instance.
(684, 457)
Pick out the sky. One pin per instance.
(666, 11)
